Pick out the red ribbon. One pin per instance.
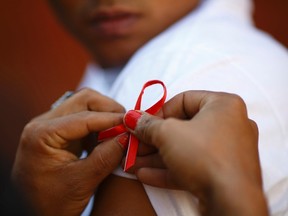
(119, 129)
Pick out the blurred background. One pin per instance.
(39, 61)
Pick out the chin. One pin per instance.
(110, 62)
(113, 58)
(114, 53)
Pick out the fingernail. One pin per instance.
(123, 140)
(131, 118)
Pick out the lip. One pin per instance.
(113, 22)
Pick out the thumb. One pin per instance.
(147, 128)
(103, 160)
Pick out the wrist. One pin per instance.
(237, 197)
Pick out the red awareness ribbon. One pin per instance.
(120, 129)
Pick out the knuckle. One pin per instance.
(238, 104)
(254, 127)
(88, 94)
(32, 134)
(98, 102)
(233, 101)
(162, 130)
(254, 124)
(237, 100)
(86, 91)
(29, 132)
(37, 134)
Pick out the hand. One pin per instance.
(209, 147)
(52, 176)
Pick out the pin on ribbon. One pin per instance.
(119, 129)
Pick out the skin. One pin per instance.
(208, 146)
(56, 182)
(47, 167)
(55, 140)
(116, 47)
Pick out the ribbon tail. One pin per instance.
(131, 152)
(111, 132)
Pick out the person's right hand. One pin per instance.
(209, 146)
(47, 166)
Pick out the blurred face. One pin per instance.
(112, 30)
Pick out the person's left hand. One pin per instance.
(49, 171)
(208, 146)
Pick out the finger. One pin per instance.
(59, 132)
(254, 128)
(151, 161)
(100, 163)
(88, 99)
(185, 105)
(144, 149)
(84, 99)
(147, 128)
(156, 177)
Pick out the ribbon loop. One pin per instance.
(119, 129)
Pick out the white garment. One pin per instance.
(215, 48)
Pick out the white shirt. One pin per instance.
(215, 48)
